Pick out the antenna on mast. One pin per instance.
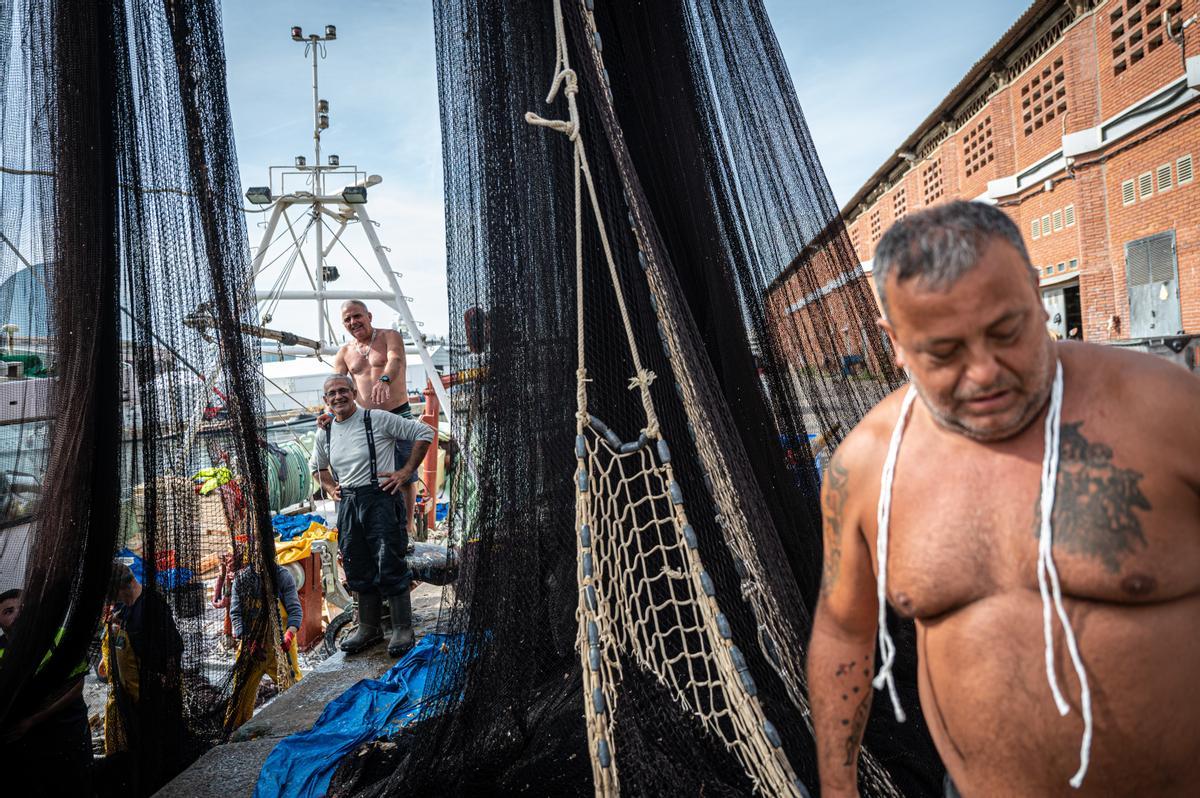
(314, 45)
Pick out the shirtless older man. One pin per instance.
(375, 360)
(962, 311)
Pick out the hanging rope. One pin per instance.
(635, 543)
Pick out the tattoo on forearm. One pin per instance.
(833, 508)
(1095, 501)
(857, 725)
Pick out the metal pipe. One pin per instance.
(401, 307)
(430, 467)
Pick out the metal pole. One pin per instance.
(318, 267)
(430, 465)
(316, 42)
(402, 308)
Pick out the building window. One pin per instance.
(1162, 178)
(1145, 185)
(1183, 170)
(876, 227)
(1069, 216)
(1058, 220)
(1128, 193)
(900, 204)
(1072, 264)
(1136, 29)
(1046, 225)
(1036, 228)
(1049, 270)
(1062, 267)
(977, 146)
(1044, 97)
(931, 183)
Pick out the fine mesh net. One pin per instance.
(668, 589)
(120, 217)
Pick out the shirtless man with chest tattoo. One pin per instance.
(961, 558)
(375, 359)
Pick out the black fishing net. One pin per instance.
(120, 216)
(742, 294)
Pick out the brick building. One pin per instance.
(1083, 123)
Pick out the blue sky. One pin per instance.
(866, 72)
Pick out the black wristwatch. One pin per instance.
(385, 378)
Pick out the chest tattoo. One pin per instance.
(1095, 502)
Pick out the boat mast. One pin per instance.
(314, 46)
(345, 206)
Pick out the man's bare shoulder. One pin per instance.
(1143, 403)
(866, 445)
(391, 337)
(1128, 379)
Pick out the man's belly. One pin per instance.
(990, 711)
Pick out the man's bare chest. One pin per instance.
(966, 528)
(362, 360)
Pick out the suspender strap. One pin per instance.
(329, 449)
(371, 448)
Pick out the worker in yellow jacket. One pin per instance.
(257, 658)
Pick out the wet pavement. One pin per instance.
(232, 769)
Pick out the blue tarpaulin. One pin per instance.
(168, 578)
(302, 764)
(293, 526)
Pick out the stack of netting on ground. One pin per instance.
(665, 591)
(120, 182)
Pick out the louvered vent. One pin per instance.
(1162, 178)
(1183, 170)
(1145, 185)
(1069, 216)
(1137, 261)
(1128, 193)
(1058, 220)
(1161, 254)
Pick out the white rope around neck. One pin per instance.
(1048, 581)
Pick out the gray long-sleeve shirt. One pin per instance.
(244, 604)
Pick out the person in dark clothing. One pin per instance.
(143, 655)
(355, 461)
(53, 741)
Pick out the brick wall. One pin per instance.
(1086, 56)
(1176, 208)
(1115, 29)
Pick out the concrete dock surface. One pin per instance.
(232, 769)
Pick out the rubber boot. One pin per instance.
(402, 632)
(370, 607)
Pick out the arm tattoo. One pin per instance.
(858, 725)
(1095, 501)
(834, 506)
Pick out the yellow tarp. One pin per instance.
(300, 548)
